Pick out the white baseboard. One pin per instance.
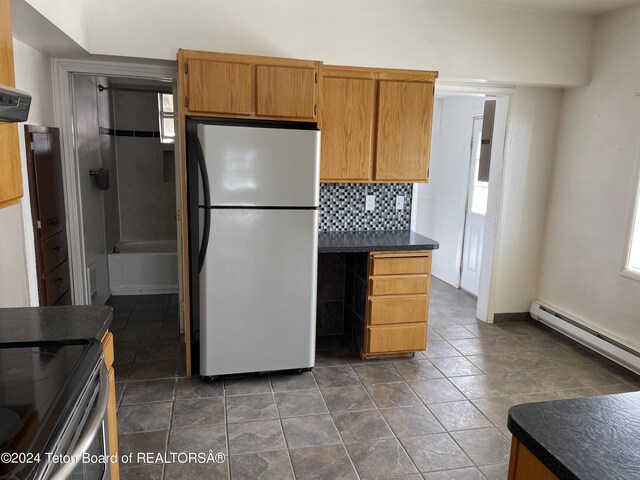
(144, 289)
(604, 344)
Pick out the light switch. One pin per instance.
(370, 203)
(399, 202)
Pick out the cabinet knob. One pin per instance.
(59, 281)
(55, 221)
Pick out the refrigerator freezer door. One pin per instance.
(261, 167)
(258, 291)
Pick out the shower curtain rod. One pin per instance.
(102, 88)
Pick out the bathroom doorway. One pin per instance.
(121, 177)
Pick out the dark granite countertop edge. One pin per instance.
(548, 459)
(371, 248)
(55, 323)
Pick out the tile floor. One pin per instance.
(439, 415)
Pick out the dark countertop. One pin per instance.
(593, 438)
(40, 324)
(367, 241)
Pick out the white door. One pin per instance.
(476, 210)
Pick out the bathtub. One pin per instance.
(144, 268)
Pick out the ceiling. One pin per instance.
(585, 7)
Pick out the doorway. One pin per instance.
(454, 206)
(44, 170)
(94, 140)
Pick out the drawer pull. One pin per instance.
(56, 250)
(59, 281)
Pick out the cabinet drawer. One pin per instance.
(399, 285)
(389, 310)
(397, 338)
(400, 265)
(57, 282)
(54, 251)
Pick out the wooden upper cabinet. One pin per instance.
(10, 168)
(347, 122)
(376, 124)
(220, 84)
(219, 87)
(286, 91)
(405, 110)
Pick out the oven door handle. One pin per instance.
(92, 426)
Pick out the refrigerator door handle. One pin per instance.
(206, 227)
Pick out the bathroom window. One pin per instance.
(632, 269)
(167, 118)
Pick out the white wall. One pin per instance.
(439, 207)
(528, 157)
(14, 286)
(18, 283)
(70, 16)
(468, 41)
(33, 75)
(594, 186)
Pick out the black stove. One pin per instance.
(40, 383)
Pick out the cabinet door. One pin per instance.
(347, 114)
(404, 131)
(288, 92)
(219, 87)
(10, 169)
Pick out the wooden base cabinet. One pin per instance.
(107, 347)
(397, 303)
(523, 465)
(376, 124)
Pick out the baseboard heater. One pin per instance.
(587, 336)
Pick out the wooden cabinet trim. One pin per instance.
(107, 347)
(401, 253)
(380, 73)
(242, 58)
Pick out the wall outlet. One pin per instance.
(370, 203)
(400, 202)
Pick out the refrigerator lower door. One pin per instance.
(258, 291)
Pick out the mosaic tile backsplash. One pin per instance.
(342, 206)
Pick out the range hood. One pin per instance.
(14, 104)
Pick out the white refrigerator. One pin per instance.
(258, 215)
